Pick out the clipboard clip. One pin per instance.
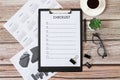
(60, 11)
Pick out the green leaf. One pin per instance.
(95, 24)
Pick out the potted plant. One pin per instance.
(95, 24)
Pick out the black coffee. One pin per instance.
(93, 3)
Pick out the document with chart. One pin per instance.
(24, 27)
(60, 40)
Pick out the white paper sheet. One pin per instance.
(24, 27)
(31, 71)
(60, 39)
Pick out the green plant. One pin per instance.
(95, 24)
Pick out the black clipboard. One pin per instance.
(58, 68)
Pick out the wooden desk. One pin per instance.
(107, 69)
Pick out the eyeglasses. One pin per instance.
(101, 49)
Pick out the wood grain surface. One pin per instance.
(102, 69)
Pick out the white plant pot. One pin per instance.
(90, 28)
(93, 29)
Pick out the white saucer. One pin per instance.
(93, 12)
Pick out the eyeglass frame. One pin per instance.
(100, 43)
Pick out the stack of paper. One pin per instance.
(24, 27)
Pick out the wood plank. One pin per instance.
(8, 8)
(11, 79)
(58, 79)
(7, 51)
(5, 36)
(69, 3)
(109, 31)
(79, 79)
(96, 72)
(112, 47)
(8, 71)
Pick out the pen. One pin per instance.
(85, 37)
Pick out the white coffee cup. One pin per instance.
(94, 10)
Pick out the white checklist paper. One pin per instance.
(24, 27)
(60, 39)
